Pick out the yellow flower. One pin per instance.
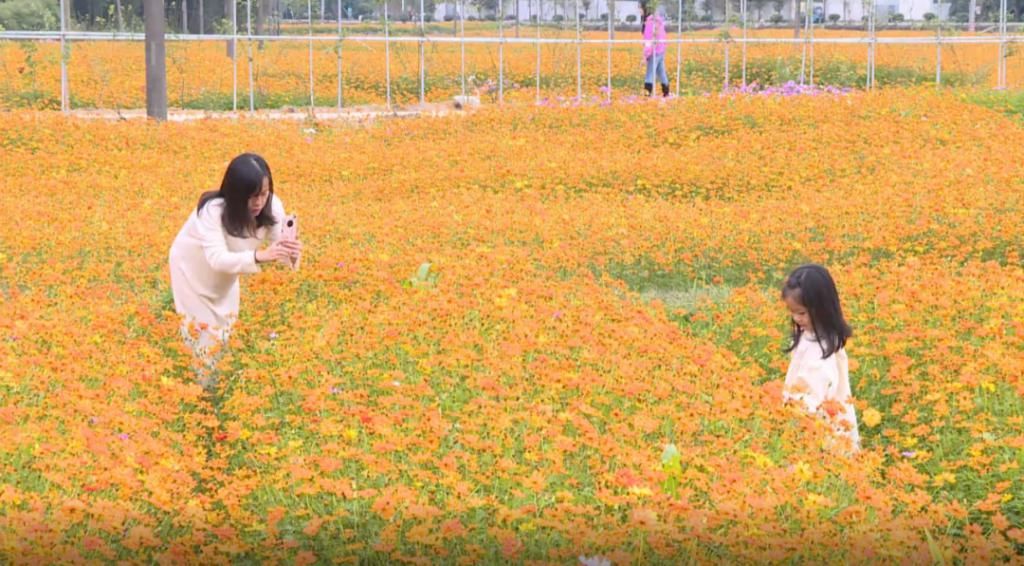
(945, 478)
(803, 471)
(641, 491)
(814, 501)
(760, 460)
(872, 417)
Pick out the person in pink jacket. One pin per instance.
(654, 49)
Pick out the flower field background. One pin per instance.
(602, 283)
(200, 74)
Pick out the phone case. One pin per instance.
(290, 231)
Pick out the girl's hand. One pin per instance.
(281, 250)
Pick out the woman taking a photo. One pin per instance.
(223, 238)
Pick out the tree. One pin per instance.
(156, 60)
(262, 9)
(795, 11)
(987, 10)
(230, 18)
(515, 7)
(120, 15)
(486, 6)
(759, 8)
(31, 15)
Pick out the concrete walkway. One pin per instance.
(356, 114)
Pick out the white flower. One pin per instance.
(595, 561)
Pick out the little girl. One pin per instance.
(818, 375)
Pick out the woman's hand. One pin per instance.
(281, 250)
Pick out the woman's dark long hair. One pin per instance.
(242, 180)
(813, 287)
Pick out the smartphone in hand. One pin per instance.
(290, 231)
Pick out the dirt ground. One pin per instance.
(357, 114)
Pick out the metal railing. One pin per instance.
(808, 43)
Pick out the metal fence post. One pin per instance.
(611, 37)
(501, 51)
(65, 95)
(679, 48)
(312, 98)
(423, 36)
(387, 58)
(872, 39)
(1001, 81)
(462, 45)
(743, 14)
(579, 54)
(248, 33)
(340, 43)
(540, 15)
(234, 57)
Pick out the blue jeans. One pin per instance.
(656, 65)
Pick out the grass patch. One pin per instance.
(688, 296)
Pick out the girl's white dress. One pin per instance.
(822, 386)
(205, 263)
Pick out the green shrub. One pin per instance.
(33, 15)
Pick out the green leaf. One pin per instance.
(423, 271)
(933, 548)
(669, 454)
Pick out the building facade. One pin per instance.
(545, 10)
(761, 11)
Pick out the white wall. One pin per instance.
(854, 9)
(547, 9)
(851, 10)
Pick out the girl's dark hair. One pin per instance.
(813, 287)
(243, 179)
